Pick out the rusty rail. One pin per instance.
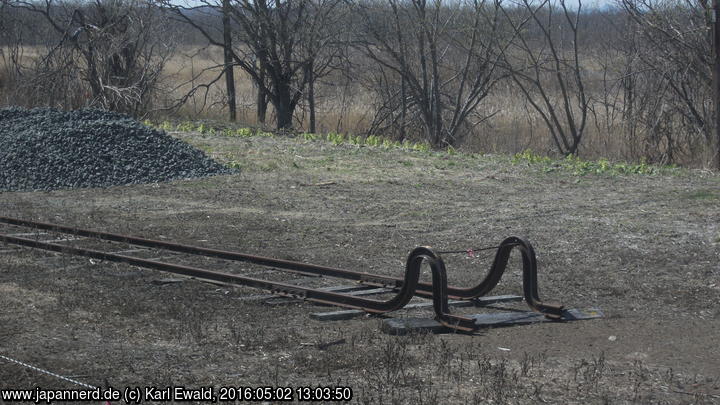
(407, 286)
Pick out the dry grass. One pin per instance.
(513, 125)
(339, 109)
(8, 74)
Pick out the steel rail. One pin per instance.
(403, 296)
(530, 289)
(530, 283)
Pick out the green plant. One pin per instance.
(186, 126)
(234, 164)
(355, 140)
(166, 126)
(244, 132)
(373, 140)
(530, 157)
(421, 147)
(205, 129)
(580, 167)
(335, 138)
(308, 136)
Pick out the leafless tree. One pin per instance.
(228, 58)
(549, 73)
(10, 49)
(671, 71)
(443, 57)
(283, 45)
(113, 48)
(325, 46)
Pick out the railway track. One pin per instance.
(99, 245)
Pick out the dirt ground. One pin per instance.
(645, 249)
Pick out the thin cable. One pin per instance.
(470, 251)
(50, 373)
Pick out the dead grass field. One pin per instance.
(645, 249)
(339, 109)
(348, 106)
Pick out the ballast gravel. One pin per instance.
(48, 149)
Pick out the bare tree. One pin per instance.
(443, 56)
(228, 58)
(213, 21)
(10, 49)
(280, 44)
(674, 61)
(324, 45)
(287, 39)
(114, 47)
(547, 72)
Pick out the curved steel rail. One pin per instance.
(490, 281)
(439, 283)
(530, 283)
(403, 296)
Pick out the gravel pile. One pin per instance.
(47, 149)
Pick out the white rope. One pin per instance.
(50, 373)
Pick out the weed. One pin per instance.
(308, 136)
(421, 147)
(186, 126)
(639, 375)
(355, 140)
(335, 138)
(530, 157)
(202, 128)
(234, 164)
(428, 395)
(244, 132)
(526, 364)
(241, 339)
(373, 140)
(197, 324)
(580, 167)
(589, 373)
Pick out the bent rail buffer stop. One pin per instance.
(405, 288)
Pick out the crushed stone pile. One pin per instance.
(48, 149)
